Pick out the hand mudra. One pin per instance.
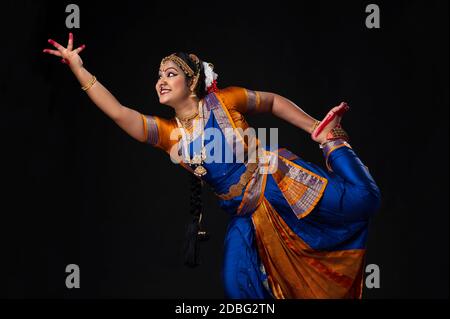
(69, 56)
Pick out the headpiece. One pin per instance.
(210, 75)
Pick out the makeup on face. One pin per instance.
(170, 79)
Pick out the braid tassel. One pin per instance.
(194, 231)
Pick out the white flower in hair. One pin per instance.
(210, 75)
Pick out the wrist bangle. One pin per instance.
(90, 84)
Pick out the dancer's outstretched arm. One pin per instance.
(286, 110)
(126, 118)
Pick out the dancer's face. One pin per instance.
(172, 86)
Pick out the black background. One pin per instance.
(77, 189)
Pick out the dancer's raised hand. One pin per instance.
(68, 55)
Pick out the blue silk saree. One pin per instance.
(296, 229)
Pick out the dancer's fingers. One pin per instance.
(52, 52)
(336, 108)
(81, 48)
(70, 43)
(56, 45)
(341, 108)
(345, 105)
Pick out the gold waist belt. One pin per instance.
(236, 189)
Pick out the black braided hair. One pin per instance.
(194, 230)
(197, 210)
(196, 196)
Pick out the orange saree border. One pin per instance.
(301, 193)
(295, 270)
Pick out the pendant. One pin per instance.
(197, 159)
(200, 171)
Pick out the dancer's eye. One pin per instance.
(169, 75)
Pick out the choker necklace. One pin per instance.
(189, 117)
(197, 159)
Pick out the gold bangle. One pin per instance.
(90, 84)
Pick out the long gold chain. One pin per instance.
(197, 158)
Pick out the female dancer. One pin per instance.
(298, 231)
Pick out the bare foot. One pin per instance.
(330, 121)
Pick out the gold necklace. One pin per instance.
(197, 159)
(187, 118)
(187, 123)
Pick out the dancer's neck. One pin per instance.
(187, 109)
